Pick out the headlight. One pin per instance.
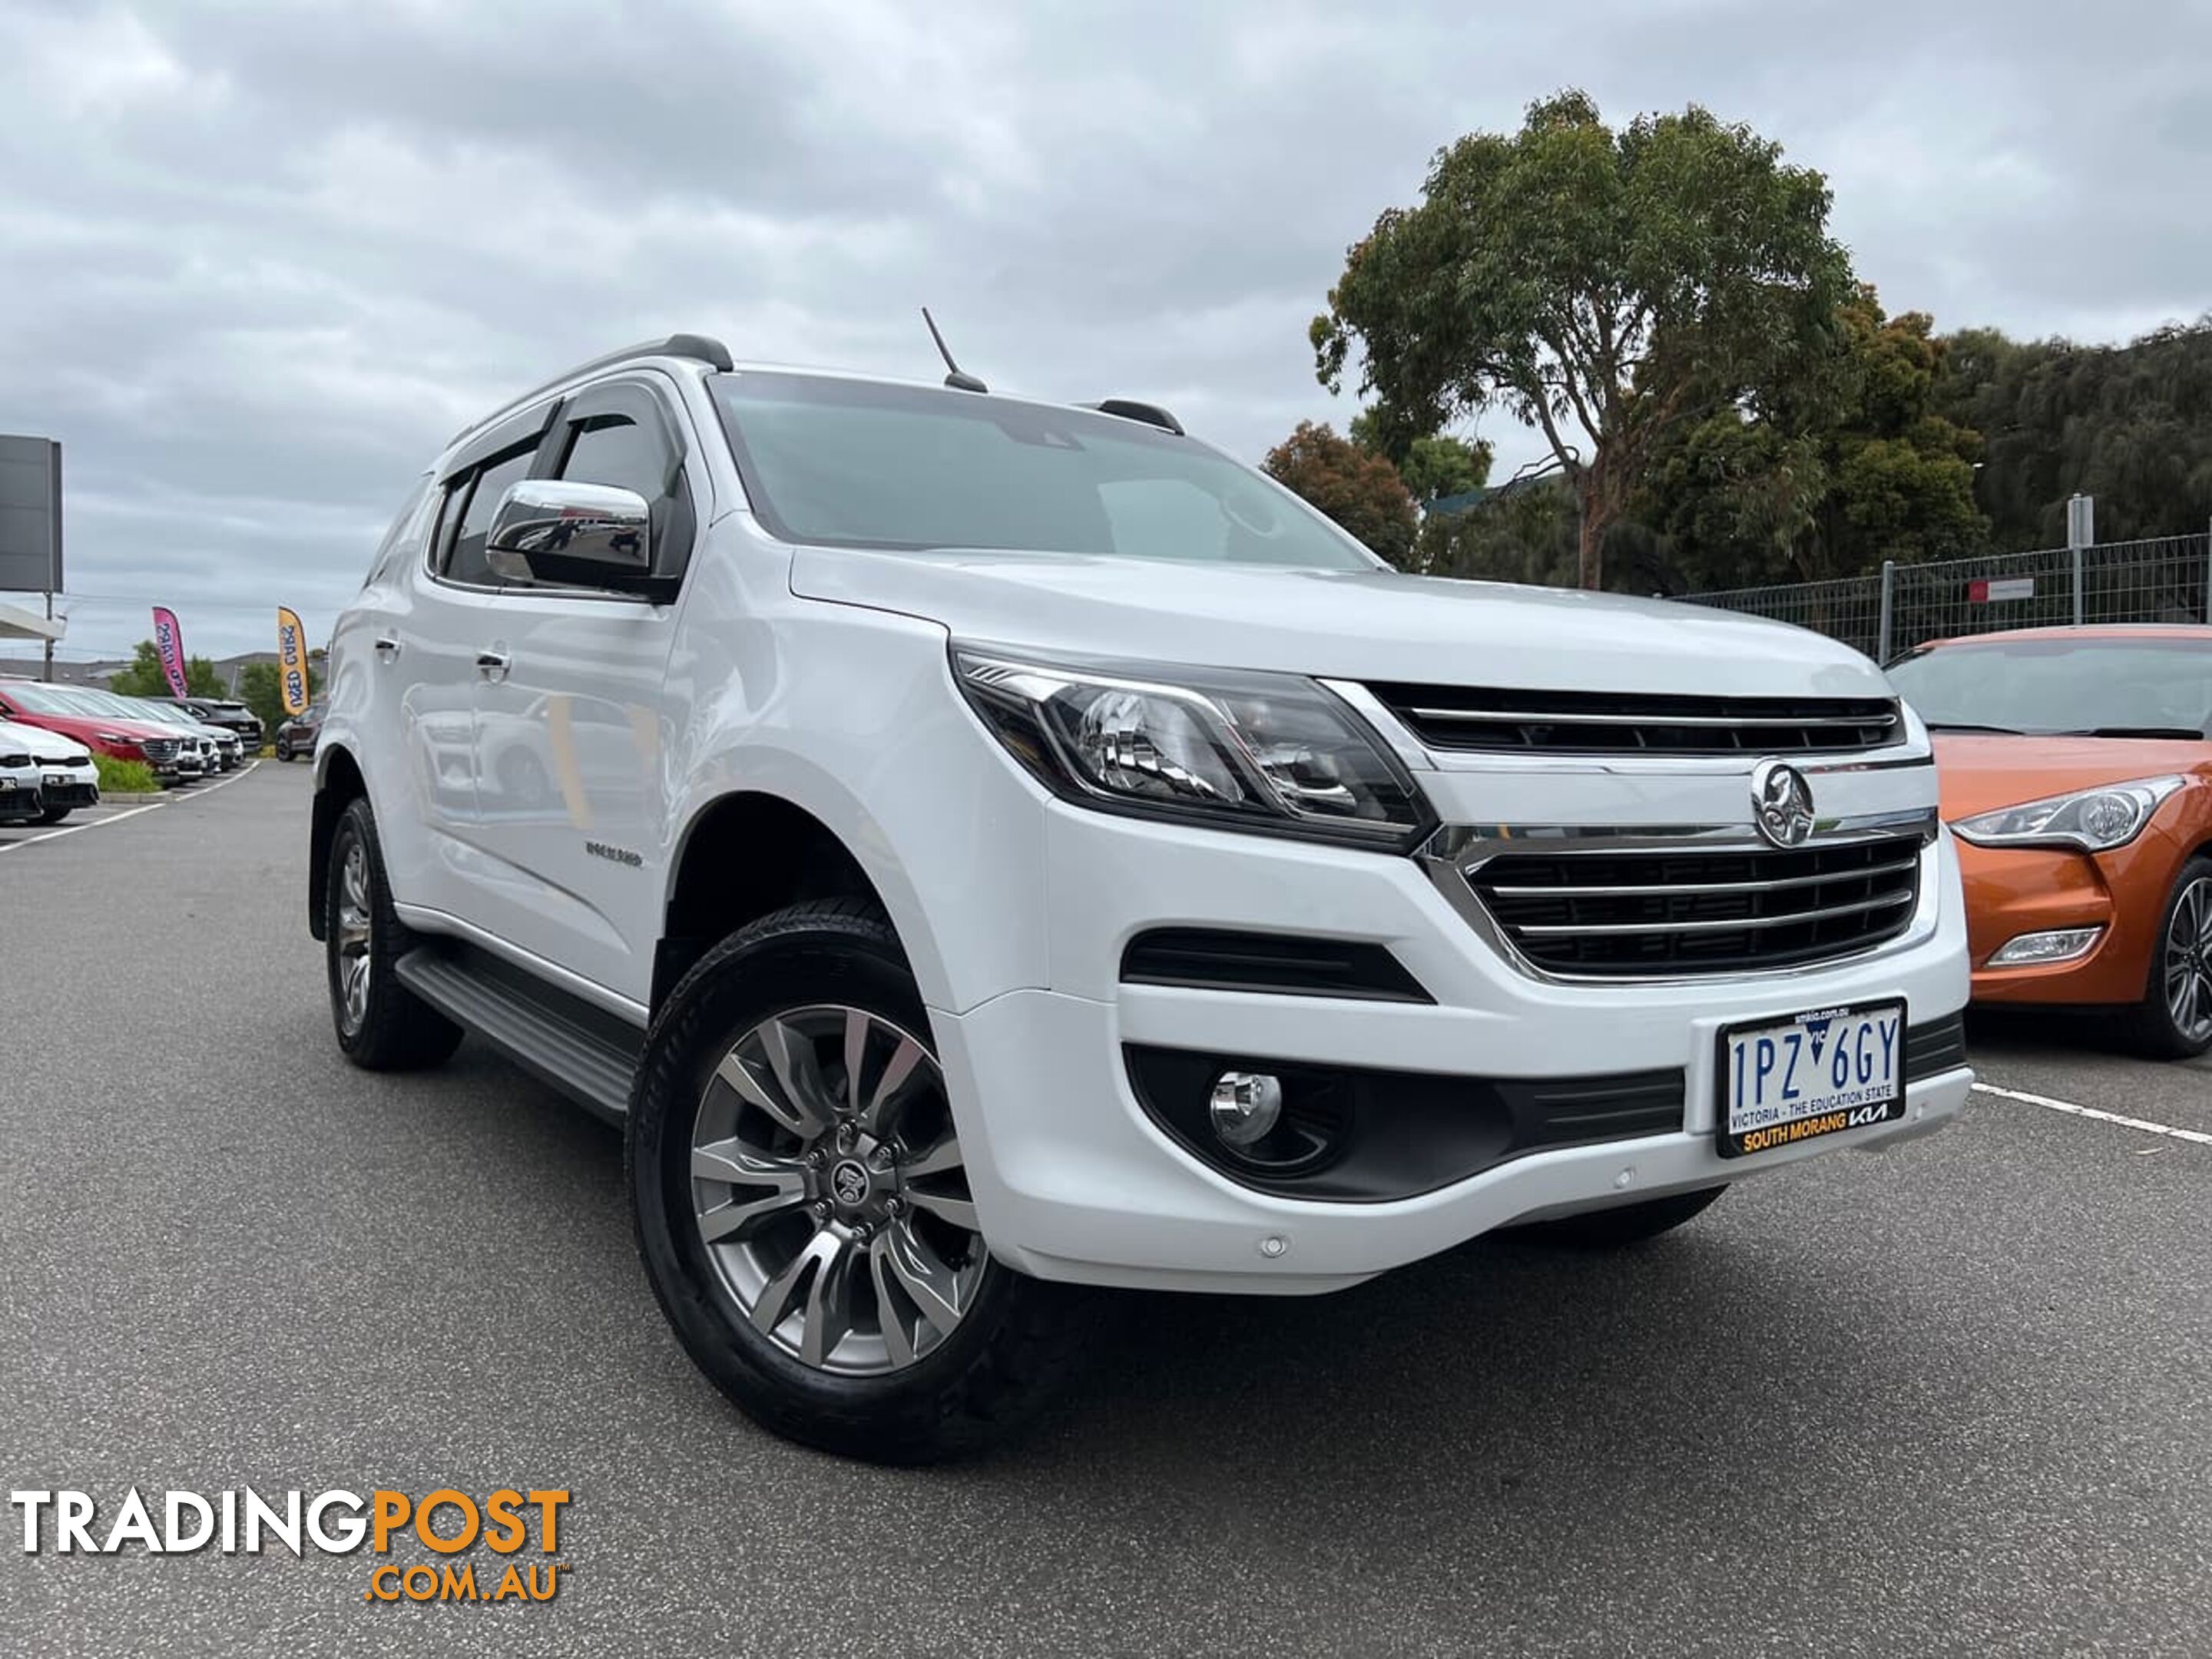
(2092, 820)
(113, 737)
(1268, 752)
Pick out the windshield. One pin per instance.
(2064, 683)
(125, 709)
(858, 464)
(37, 699)
(87, 701)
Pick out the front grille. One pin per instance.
(1472, 719)
(159, 749)
(14, 762)
(1571, 1111)
(1939, 1046)
(1621, 914)
(70, 794)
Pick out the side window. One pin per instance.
(614, 449)
(406, 533)
(620, 435)
(470, 505)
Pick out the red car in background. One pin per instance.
(159, 748)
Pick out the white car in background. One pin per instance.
(219, 747)
(55, 776)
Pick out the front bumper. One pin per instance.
(2011, 891)
(71, 787)
(1073, 1179)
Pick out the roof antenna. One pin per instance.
(954, 377)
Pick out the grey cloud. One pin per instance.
(263, 258)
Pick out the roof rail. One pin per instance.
(1130, 410)
(703, 348)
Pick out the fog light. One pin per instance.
(2062, 945)
(1246, 1105)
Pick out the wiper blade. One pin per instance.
(1964, 725)
(2182, 733)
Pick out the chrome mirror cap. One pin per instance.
(551, 530)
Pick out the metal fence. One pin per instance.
(2167, 579)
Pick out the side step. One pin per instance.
(585, 1052)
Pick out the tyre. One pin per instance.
(283, 751)
(1624, 1224)
(803, 1211)
(55, 814)
(2174, 1019)
(381, 1025)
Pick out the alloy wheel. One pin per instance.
(829, 1194)
(2189, 962)
(354, 938)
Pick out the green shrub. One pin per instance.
(123, 777)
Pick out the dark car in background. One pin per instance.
(221, 711)
(297, 735)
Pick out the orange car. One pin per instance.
(2076, 774)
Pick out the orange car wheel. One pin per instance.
(2174, 1019)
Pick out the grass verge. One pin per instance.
(123, 777)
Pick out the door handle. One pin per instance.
(388, 647)
(492, 665)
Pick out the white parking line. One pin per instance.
(95, 824)
(207, 789)
(150, 806)
(2197, 1136)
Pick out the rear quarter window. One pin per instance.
(407, 533)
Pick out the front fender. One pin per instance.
(866, 733)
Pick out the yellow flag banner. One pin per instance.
(292, 660)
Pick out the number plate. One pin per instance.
(1786, 1080)
(57, 780)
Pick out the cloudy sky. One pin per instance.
(260, 260)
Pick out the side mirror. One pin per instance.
(579, 535)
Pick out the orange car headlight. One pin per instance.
(2088, 820)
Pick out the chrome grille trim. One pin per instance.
(1688, 722)
(1461, 721)
(1774, 884)
(1719, 925)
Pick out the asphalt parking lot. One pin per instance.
(1957, 1399)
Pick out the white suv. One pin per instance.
(980, 848)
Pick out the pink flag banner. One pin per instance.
(169, 642)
